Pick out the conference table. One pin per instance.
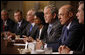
(17, 45)
(10, 47)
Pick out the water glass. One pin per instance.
(48, 50)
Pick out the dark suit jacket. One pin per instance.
(74, 36)
(80, 48)
(32, 33)
(21, 28)
(10, 25)
(44, 30)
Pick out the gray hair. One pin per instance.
(5, 11)
(52, 8)
(33, 11)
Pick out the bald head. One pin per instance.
(65, 13)
(67, 8)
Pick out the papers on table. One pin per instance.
(55, 53)
(19, 44)
(19, 38)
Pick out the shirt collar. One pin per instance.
(20, 23)
(5, 23)
(69, 25)
(33, 24)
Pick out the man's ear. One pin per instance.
(54, 15)
(70, 14)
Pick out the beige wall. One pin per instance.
(26, 5)
(30, 4)
(61, 3)
(12, 6)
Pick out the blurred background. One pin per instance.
(24, 6)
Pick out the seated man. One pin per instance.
(6, 23)
(54, 28)
(19, 26)
(31, 29)
(80, 47)
(71, 31)
(20, 23)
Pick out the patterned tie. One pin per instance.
(49, 29)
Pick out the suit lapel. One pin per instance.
(54, 27)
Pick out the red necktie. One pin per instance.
(3, 27)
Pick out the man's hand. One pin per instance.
(28, 39)
(39, 44)
(63, 49)
(25, 38)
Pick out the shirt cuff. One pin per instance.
(45, 46)
(71, 52)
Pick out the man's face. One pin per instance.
(48, 15)
(4, 15)
(80, 14)
(63, 16)
(17, 16)
(30, 16)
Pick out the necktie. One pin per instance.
(3, 27)
(17, 26)
(49, 29)
(31, 28)
(65, 34)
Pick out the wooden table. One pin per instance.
(7, 47)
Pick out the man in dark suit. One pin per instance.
(71, 31)
(31, 29)
(20, 23)
(80, 16)
(6, 23)
(54, 27)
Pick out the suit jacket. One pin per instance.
(32, 33)
(21, 28)
(74, 35)
(10, 25)
(54, 33)
(80, 48)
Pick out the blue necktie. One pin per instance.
(49, 29)
(65, 34)
(31, 28)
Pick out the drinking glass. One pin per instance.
(48, 50)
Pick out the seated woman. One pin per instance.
(39, 20)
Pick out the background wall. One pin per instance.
(11, 6)
(38, 5)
